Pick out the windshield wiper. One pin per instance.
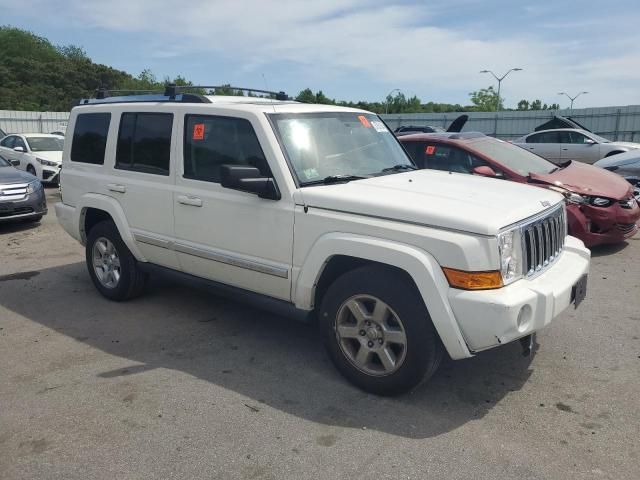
(400, 166)
(334, 179)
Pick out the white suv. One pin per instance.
(317, 209)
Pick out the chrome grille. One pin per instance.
(543, 240)
(13, 192)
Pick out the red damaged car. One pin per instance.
(601, 207)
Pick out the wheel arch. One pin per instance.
(95, 208)
(614, 152)
(336, 253)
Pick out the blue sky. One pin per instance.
(361, 49)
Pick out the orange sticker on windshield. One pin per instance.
(198, 131)
(430, 150)
(364, 121)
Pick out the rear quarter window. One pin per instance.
(90, 138)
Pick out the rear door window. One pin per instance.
(546, 137)
(144, 142)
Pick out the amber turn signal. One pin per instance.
(473, 280)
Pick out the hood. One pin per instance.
(430, 197)
(53, 156)
(13, 175)
(587, 180)
(625, 144)
(620, 159)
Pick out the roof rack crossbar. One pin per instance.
(173, 90)
(105, 92)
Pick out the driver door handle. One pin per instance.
(191, 201)
(114, 187)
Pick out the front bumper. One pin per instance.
(599, 226)
(51, 174)
(490, 318)
(33, 205)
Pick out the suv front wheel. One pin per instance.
(378, 332)
(113, 269)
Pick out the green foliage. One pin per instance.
(536, 105)
(485, 100)
(37, 75)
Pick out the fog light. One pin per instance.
(524, 318)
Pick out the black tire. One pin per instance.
(132, 280)
(424, 349)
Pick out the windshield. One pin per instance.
(4, 163)
(327, 144)
(514, 158)
(45, 144)
(598, 138)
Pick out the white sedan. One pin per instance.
(37, 153)
(564, 144)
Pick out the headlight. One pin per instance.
(569, 196)
(46, 163)
(34, 187)
(575, 198)
(600, 202)
(510, 250)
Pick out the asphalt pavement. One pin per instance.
(185, 384)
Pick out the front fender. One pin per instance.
(113, 208)
(419, 264)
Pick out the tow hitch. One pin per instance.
(527, 345)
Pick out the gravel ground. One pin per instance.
(182, 384)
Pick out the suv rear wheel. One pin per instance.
(378, 332)
(113, 269)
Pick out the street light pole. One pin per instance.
(572, 98)
(499, 79)
(386, 108)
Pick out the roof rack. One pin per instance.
(172, 93)
(172, 90)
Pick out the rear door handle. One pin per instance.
(191, 201)
(114, 187)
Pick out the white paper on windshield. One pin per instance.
(379, 126)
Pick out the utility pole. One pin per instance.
(572, 98)
(499, 79)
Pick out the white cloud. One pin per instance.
(395, 44)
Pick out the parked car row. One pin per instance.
(601, 205)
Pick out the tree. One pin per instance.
(536, 105)
(485, 100)
(523, 105)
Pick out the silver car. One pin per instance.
(564, 144)
(21, 195)
(625, 164)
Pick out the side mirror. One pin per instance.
(250, 180)
(15, 163)
(588, 141)
(485, 171)
(18, 149)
